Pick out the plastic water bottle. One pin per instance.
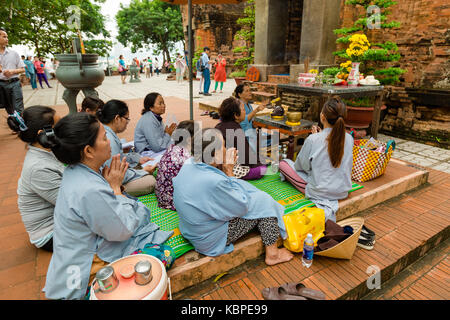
(308, 251)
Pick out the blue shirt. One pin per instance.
(207, 199)
(29, 68)
(246, 124)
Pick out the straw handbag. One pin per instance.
(346, 248)
(369, 164)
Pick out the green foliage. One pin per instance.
(146, 22)
(240, 73)
(332, 71)
(247, 33)
(44, 24)
(379, 53)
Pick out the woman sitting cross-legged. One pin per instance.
(215, 209)
(323, 168)
(172, 161)
(151, 134)
(95, 223)
(41, 176)
(115, 117)
(232, 113)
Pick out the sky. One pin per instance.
(109, 9)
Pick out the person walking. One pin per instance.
(147, 67)
(39, 65)
(221, 74)
(180, 66)
(198, 66)
(30, 72)
(206, 66)
(122, 69)
(10, 67)
(150, 62)
(157, 67)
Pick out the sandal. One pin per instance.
(299, 289)
(278, 293)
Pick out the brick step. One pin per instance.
(426, 274)
(194, 268)
(407, 227)
(264, 94)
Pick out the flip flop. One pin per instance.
(278, 293)
(299, 289)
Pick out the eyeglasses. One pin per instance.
(128, 119)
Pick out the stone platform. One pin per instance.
(193, 268)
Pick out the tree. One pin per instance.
(44, 25)
(247, 33)
(379, 54)
(146, 22)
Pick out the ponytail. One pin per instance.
(32, 120)
(334, 110)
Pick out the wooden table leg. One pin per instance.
(290, 154)
(376, 115)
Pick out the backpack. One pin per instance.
(199, 65)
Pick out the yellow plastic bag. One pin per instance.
(301, 222)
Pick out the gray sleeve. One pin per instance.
(156, 138)
(303, 161)
(46, 183)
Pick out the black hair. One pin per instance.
(208, 137)
(230, 108)
(92, 103)
(206, 48)
(239, 89)
(112, 109)
(149, 101)
(22, 57)
(35, 118)
(70, 136)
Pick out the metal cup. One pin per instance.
(143, 272)
(107, 279)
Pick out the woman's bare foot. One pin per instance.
(274, 255)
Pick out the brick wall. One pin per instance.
(294, 31)
(424, 44)
(215, 26)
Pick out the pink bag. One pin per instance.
(292, 176)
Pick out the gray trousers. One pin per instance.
(13, 90)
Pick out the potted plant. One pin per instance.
(377, 59)
(246, 34)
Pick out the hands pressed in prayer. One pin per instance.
(231, 158)
(115, 173)
(315, 129)
(171, 129)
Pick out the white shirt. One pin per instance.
(10, 60)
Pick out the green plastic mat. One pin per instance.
(281, 191)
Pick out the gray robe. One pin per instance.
(116, 148)
(149, 134)
(90, 219)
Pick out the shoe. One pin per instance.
(200, 93)
(367, 233)
(278, 293)
(205, 113)
(214, 91)
(299, 289)
(207, 94)
(365, 243)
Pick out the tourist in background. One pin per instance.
(122, 69)
(156, 64)
(220, 75)
(180, 66)
(10, 67)
(147, 67)
(150, 62)
(206, 66)
(39, 65)
(30, 71)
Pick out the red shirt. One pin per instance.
(39, 66)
